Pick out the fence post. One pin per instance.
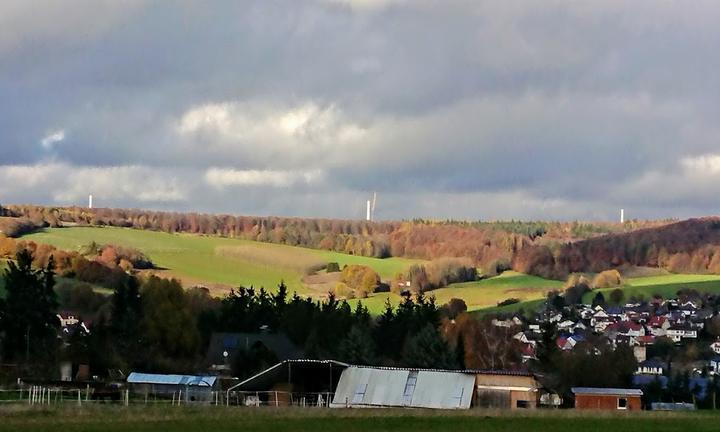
(79, 398)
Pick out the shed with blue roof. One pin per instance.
(189, 388)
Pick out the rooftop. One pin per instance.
(606, 391)
(191, 380)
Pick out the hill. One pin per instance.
(220, 263)
(690, 246)
(490, 245)
(666, 286)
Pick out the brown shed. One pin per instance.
(506, 389)
(607, 398)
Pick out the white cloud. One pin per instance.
(224, 177)
(68, 184)
(708, 164)
(367, 5)
(49, 141)
(257, 134)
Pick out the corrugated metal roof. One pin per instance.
(606, 391)
(191, 380)
(465, 371)
(395, 387)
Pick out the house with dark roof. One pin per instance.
(651, 367)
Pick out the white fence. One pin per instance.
(42, 395)
(278, 399)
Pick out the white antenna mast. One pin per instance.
(622, 216)
(90, 203)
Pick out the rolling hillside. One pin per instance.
(220, 263)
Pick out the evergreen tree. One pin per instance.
(427, 349)
(357, 348)
(29, 315)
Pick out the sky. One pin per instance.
(465, 109)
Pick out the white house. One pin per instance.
(678, 333)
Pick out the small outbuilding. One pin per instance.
(607, 398)
(189, 388)
(507, 389)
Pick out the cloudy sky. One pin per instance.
(465, 109)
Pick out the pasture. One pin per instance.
(479, 294)
(641, 287)
(666, 286)
(219, 263)
(219, 419)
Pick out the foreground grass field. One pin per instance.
(183, 419)
(216, 260)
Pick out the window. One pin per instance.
(410, 387)
(622, 403)
(522, 404)
(359, 393)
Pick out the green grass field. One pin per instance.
(667, 286)
(231, 262)
(644, 287)
(220, 419)
(216, 260)
(481, 294)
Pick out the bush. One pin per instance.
(332, 267)
(360, 278)
(455, 307)
(509, 301)
(608, 279)
(342, 290)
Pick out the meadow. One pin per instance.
(666, 286)
(217, 262)
(219, 419)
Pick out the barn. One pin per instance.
(302, 382)
(607, 398)
(362, 386)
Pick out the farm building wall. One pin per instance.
(606, 402)
(506, 391)
(391, 387)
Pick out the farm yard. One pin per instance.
(191, 419)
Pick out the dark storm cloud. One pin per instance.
(455, 109)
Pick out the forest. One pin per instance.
(491, 246)
(690, 246)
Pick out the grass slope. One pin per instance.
(667, 286)
(220, 419)
(481, 294)
(204, 259)
(644, 287)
